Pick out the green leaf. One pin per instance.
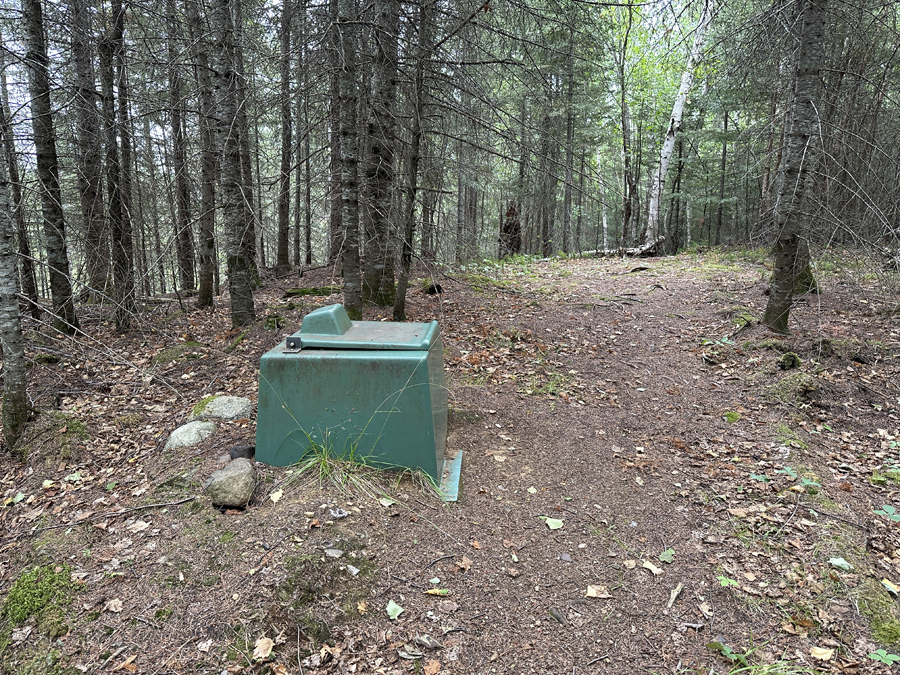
(840, 564)
(787, 471)
(384, 501)
(553, 523)
(668, 555)
(393, 610)
(19, 497)
(762, 479)
(726, 582)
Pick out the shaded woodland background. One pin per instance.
(193, 140)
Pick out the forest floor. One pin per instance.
(649, 485)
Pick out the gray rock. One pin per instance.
(190, 434)
(233, 485)
(223, 408)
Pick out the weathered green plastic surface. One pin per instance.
(372, 395)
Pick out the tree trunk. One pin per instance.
(799, 150)
(64, 318)
(248, 239)
(380, 131)
(15, 401)
(122, 242)
(348, 98)
(184, 239)
(89, 142)
(570, 150)
(234, 204)
(28, 279)
(722, 180)
(687, 79)
(412, 172)
(207, 218)
(282, 256)
(335, 193)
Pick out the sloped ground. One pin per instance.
(698, 482)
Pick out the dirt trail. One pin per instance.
(703, 483)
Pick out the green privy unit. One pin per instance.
(374, 390)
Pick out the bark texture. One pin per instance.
(236, 227)
(15, 401)
(64, 317)
(799, 148)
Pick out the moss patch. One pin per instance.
(881, 611)
(179, 351)
(39, 593)
(789, 361)
(794, 388)
(201, 405)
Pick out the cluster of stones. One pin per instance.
(233, 485)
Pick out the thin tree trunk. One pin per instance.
(184, 240)
(282, 256)
(722, 179)
(348, 98)
(570, 150)
(207, 217)
(658, 184)
(122, 242)
(27, 276)
(89, 142)
(234, 205)
(150, 168)
(335, 221)
(799, 150)
(252, 214)
(64, 319)
(380, 131)
(15, 400)
(412, 171)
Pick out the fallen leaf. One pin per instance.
(464, 565)
(432, 668)
(204, 646)
(115, 605)
(362, 607)
(840, 564)
(653, 568)
(705, 609)
(553, 523)
(532, 490)
(738, 513)
(384, 501)
(891, 587)
(597, 592)
(821, 653)
(279, 669)
(500, 458)
(127, 664)
(275, 496)
(630, 564)
(393, 610)
(638, 480)
(138, 526)
(437, 591)
(476, 545)
(263, 648)
(667, 556)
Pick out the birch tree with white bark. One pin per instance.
(658, 179)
